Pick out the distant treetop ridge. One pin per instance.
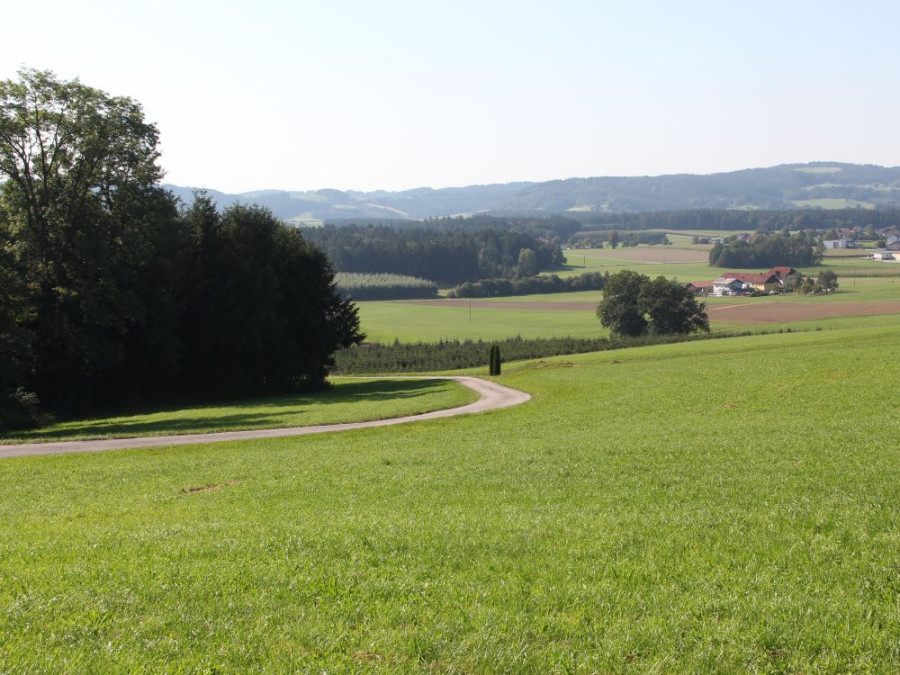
(829, 185)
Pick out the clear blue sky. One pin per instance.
(395, 95)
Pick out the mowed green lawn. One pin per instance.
(723, 506)
(349, 400)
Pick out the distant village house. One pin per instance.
(741, 283)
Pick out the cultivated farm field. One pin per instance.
(573, 314)
(691, 262)
(727, 506)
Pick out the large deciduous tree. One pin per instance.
(81, 204)
(635, 305)
(671, 308)
(619, 310)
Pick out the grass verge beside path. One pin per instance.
(721, 506)
(348, 400)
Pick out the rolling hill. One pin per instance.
(788, 186)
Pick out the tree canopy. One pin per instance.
(440, 254)
(110, 293)
(797, 250)
(634, 305)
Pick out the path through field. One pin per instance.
(493, 397)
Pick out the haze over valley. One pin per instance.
(788, 186)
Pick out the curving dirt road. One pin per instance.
(493, 397)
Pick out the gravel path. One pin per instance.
(493, 397)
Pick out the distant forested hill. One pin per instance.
(817, 185)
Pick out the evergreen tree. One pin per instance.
(494, 361)
(261, 309)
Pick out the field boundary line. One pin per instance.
(492, 396)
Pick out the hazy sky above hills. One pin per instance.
(395, 95)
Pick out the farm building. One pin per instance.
(765, 282)
(787, 276)
(700, 287)
(727, 286)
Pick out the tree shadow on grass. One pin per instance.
(260, 412)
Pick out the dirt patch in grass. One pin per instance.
(213, 487)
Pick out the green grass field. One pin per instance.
(599, 260)
(387, 321)
(845, 263)
(348, 400)
(723, 506)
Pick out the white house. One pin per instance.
(728, 286)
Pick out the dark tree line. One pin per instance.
(443, 255)
(797, 250)
(109, 293)
(613, 238)
(489, 288)
(744, 220)
(551, 227)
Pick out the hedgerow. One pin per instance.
(489, 288)
(456, 354)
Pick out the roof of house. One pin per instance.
(701, 284)
(765, 278)
(782, 272)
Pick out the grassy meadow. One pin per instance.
(348, 400)
(727, 506)
(408, 322)
(690, 263)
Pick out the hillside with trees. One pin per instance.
(832, 185)
(111, 294)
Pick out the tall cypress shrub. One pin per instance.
(494, 360)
